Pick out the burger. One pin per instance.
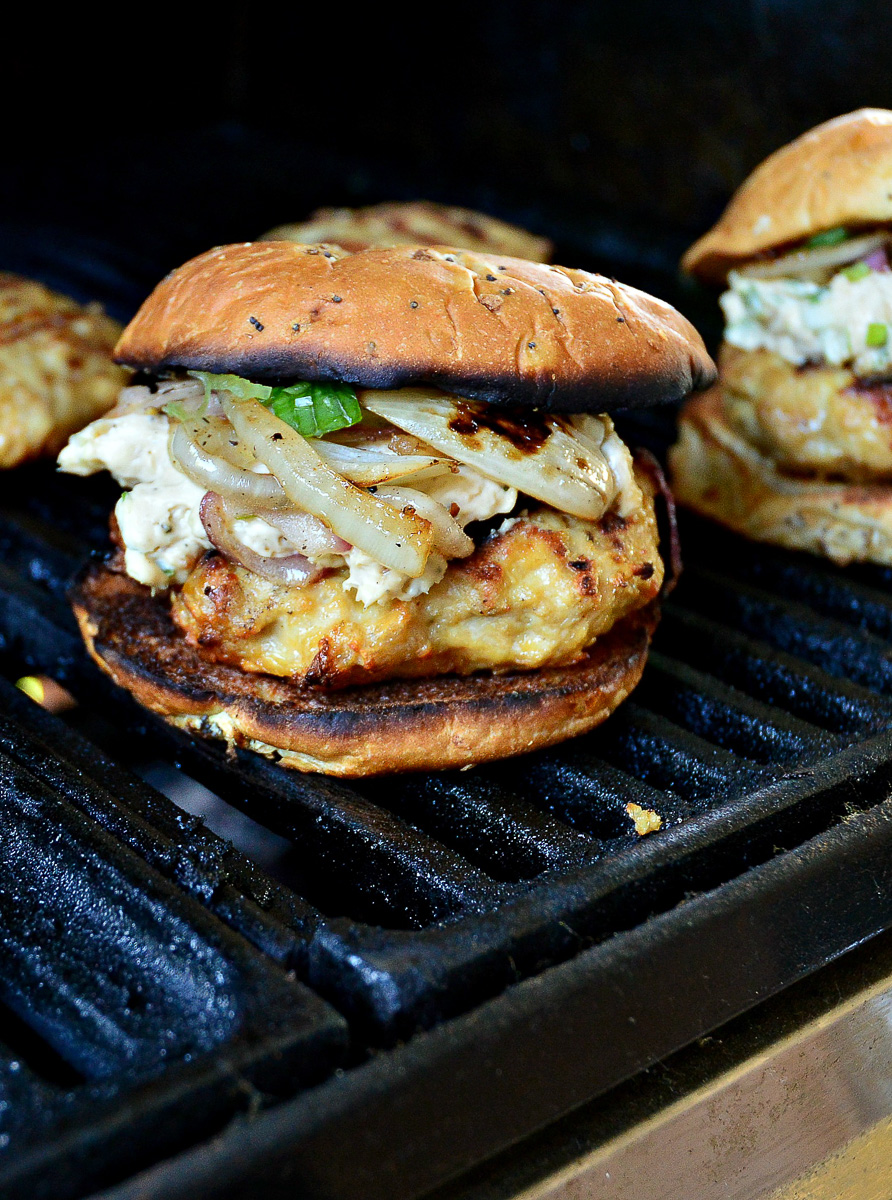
(56, 370)
(414, 222)
(376, 517)
(793, 445)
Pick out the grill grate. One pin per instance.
(157, 981)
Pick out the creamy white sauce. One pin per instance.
(158, 518)
(477, 499)
(162, 531)
(806, 322)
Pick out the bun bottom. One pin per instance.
(406, 725)
(719, 474)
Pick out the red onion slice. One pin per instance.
(294, 570)
(307, 533)
(878, 260)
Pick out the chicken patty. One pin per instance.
(819, 420)
(538, 593)
(721, 475)
(56, 372)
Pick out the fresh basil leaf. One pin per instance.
(314, 409)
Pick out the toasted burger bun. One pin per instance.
(839, 173)
(404, 726)
(491, 328)
(718, 473)
(411, 224)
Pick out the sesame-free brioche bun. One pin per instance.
(488, 327)
(837, 174)
(413, 223)
(407, 725)
(717, 473)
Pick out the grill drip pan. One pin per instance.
(451, 961)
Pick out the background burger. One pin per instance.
(377, 518)
(794, 444)
(413, 223)
(56, 371)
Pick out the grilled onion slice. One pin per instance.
(214, 472)
(371, 467)
(542, 457)
(449, 537)
(396, 539)
(817, 264)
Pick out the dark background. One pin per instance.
(618, 129)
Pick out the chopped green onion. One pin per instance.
(856, 271)
(314, 409)
(830, 237)
(877, 334)
(244, 389)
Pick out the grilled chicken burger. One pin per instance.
(376, 518)
(794, 444)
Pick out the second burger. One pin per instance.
(794, 444)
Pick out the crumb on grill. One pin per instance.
(645, 820)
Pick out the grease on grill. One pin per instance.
(527, 434)
(47, 693)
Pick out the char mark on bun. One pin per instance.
(794, 444)
(321, 502)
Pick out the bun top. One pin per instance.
(413, 223)
(491, 328)
(839, 173)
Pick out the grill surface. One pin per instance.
(386, 979)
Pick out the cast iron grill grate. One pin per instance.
(157, 982)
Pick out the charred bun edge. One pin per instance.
(444, 722)
(487, 327)
(627, 391)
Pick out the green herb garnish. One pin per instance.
(244, 389)
(856, 271)
(314, 409)
(830, 237)
(877, 334)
